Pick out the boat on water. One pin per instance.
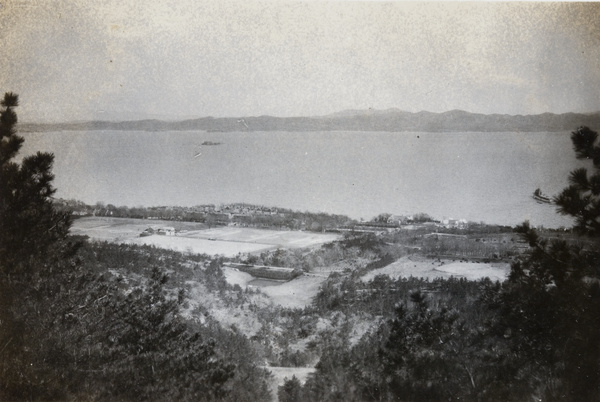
(540, 197)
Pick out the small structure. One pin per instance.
(147, 232)
(266, 272)
(166, 231)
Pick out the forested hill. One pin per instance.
(392, 120)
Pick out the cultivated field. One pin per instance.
(280, 238)
(421, 267)
(118, 229)
(195, 238)
(201, 246)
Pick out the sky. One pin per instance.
(171, 59)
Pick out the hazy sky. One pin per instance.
(73, 60)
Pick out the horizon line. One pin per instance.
(333, 114)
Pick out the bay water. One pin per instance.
(475, 176)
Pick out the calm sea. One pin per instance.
(476, 176)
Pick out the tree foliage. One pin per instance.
(34, 243)
(581, 199)
(290, 391)
(144, 349)
(550, 305)
(72, 329)
(30, 225)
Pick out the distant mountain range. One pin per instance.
(391, 120)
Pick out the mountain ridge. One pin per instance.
(388, 120)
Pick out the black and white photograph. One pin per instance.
(299, 201)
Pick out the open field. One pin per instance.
(200, 246)
(280, 238)
(117, 229)
(195, 238)
(421, 267)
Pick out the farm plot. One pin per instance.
(119, 229)
(193, 237)
(281, 238)
(421, 267)
(200, 246)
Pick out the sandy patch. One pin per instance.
(236, 277)
(475, 271)
(426, 268)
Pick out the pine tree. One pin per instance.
(34, 244)
(67, 329)
(33, 233)
(290, 391)
(581, 199)
(550, 305)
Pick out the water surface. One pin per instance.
(476, 176)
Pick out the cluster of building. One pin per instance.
(454, 223)
(162, 231)
(410, 222)
(195, 213)
(223, 212)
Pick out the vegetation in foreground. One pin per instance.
(74, 329)
(99, 321)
